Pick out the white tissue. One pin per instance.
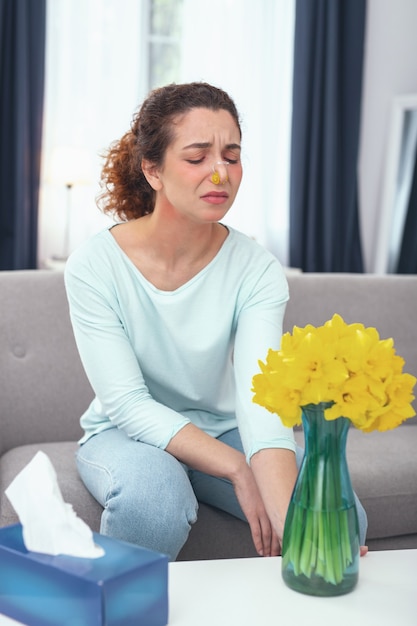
(49, 524)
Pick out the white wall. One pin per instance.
(390, 70)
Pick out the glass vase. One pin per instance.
(320, 551)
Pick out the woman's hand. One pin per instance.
(265, 539)
(275, 472)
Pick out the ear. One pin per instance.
(151, 173)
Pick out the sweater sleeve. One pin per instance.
(111, 364)
(260, 328)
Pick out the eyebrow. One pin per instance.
(204, 145)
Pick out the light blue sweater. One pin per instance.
(158, 360)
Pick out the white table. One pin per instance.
(250, 592)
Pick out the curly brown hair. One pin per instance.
(126, 192)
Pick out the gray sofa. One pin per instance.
(43, 391)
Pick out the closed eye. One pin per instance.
(195, 161)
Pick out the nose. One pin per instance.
(219, 175)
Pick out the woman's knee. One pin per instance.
(156, 514)
(159, 490)
(146, 494)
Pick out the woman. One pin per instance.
(171, 311)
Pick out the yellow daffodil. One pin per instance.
(347, 365)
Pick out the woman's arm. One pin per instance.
(109, 360)
(269, 446)
(199, 450)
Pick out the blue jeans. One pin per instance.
(149, 497)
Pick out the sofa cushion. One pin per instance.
(217, 535)
(384, 474)
(73, 491)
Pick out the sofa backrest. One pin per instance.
(43, 388)
(387, 302)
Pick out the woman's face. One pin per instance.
(184, 184)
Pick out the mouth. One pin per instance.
(215, 197)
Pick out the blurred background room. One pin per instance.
(326, 90)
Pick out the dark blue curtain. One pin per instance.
(22, 71)
(407, 262)
(327, 87)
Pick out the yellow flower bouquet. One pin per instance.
(347, 365)
(328, 378)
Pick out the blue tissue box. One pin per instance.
(126, 586)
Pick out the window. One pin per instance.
(164, 42)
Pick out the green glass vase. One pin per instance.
(320, 550)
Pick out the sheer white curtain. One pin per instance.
(94, 82)
(246, 48)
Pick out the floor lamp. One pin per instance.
(70, 167)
